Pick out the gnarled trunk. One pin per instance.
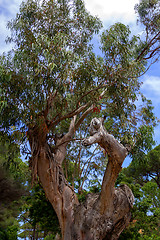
(102, 216)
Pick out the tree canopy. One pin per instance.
(149, 16)
(53, 74)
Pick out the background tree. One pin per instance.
(19, 204)
(52, 84)
(13, 174)
(147, 168)
(38, 217)
(145, 215)
(142, 178)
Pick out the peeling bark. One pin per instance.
(102, 216)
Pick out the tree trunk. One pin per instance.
(34, 232)
(102, 216)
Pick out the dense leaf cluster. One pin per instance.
(143, 178)
(149, 16)
(52, 71)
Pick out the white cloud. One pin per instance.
(8, 10)
(4, 32)
(151, 84)
(114, 10)
(10, 7)
(151, 89)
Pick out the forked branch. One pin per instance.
(116, 154)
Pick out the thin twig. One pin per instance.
(151, 43)
(67, 141)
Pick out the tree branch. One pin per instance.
(49, 103)
(84, 115)
(116, 154)
(151, 43)
(153, 52)
(69, 115)
(92, 90)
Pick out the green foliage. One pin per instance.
(145, 166)
(12, 232)
(143, 179)
(149, 16)
(120, 71)
(42, 211)
(50, 237)
(13, 174)
(37, 213)
(145, 214)
(52, 71)
(3, 234)
(82, 196)
(118, 47)
(52, 48)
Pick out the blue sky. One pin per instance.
(109, 12)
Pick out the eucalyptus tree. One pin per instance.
(52, 84)
(143, 178)
(144, 170)
(149, 17)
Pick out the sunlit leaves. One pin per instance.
(53, 58)
(149, 14)
(51, 38)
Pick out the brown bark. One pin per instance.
(102, 216)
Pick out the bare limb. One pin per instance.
(84, 115)
(116, 155)
(69, 115)
(151, 43)
(67, 141)
(153, 53)
(85, 173)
